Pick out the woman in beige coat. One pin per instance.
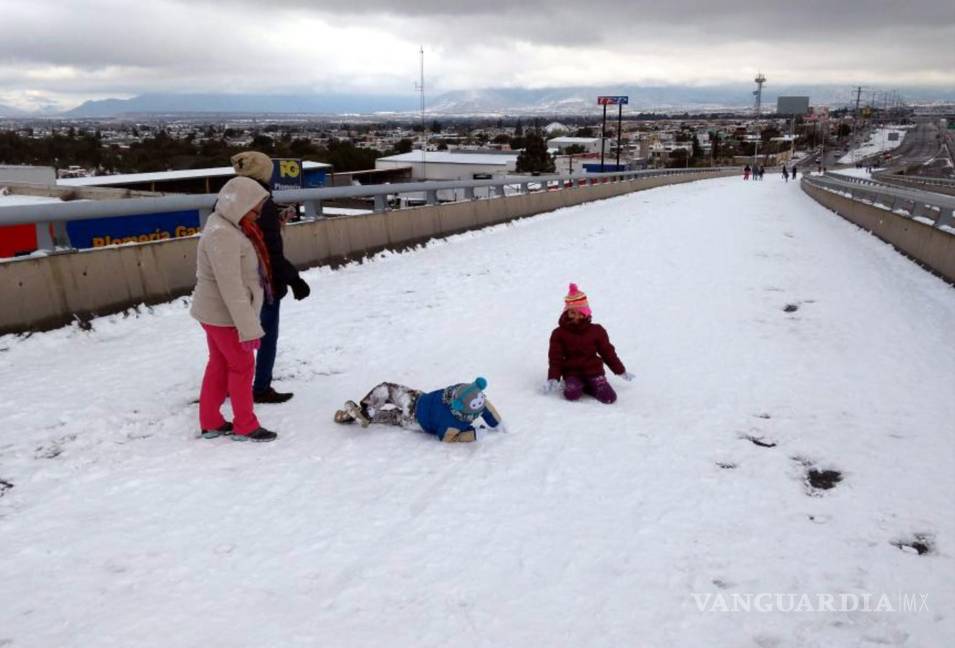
(233, 279)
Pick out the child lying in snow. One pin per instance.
(578, 350)
(446, 413)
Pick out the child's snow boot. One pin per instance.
(351, 412)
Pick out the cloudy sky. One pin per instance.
(67, 51)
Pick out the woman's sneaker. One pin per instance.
(259, 434)
(224, 429)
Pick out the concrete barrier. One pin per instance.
(44, 292)
(929, 246)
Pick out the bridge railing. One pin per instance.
(50, 218)
(940, 185)
(931, 208)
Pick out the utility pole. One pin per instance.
(855, 118)
(760, 80)
(619, 131)
(424, 131)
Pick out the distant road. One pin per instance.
(923, 143)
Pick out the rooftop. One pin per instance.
(163, 176)
(447, 157)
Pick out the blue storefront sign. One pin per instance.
(607, 168)
(135, 228)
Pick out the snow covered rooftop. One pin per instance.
(163, 176)
(573, 140)
(11, 200)
(446, 157)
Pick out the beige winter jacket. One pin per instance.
(228, 289)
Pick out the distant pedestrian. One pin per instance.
(258, 166)
(232, 276)
(794, 172)
(746, 171)
(785, 173)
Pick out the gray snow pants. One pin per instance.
(402, 401)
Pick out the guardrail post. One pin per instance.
(313, 209)
(44, 238)
(469, 193)
(946, 218)
(381, 204)
(525, 187)
(431, 197)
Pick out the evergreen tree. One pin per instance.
(535, 158)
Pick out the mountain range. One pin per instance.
(493, 101)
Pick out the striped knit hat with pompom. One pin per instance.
(466, 400)
(576, 300)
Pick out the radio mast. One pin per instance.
(424, 131)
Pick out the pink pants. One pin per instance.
(229, 372)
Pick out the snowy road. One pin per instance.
(584, 525)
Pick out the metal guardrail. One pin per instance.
(937, 209)
(51, 217)
(940, 185)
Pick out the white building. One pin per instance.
(448, 165)
(589, 144)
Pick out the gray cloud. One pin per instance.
(113, 46)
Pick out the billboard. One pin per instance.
(613, 101)
(792, 105)
(287, 174)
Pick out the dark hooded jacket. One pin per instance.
(581, 349)
(284, 273)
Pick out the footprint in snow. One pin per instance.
(917, 543)
(762, 442)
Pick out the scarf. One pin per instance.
(252, 231)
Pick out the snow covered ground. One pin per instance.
(877, 142)
(769, 337)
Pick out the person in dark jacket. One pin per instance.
(578, 351)
(448, 413)
(258, 166)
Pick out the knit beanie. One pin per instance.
(466, 400)
(576, 300)
(253, 164)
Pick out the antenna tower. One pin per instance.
(758, 92)
(424, 131)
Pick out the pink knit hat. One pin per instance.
(576, 300)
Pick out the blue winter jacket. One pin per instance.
(435, 417)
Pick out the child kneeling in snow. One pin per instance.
(446, 413)
(578, 350)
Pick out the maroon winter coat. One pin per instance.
(581, 350)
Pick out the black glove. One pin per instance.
(300, 289)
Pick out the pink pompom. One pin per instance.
(573, 289)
